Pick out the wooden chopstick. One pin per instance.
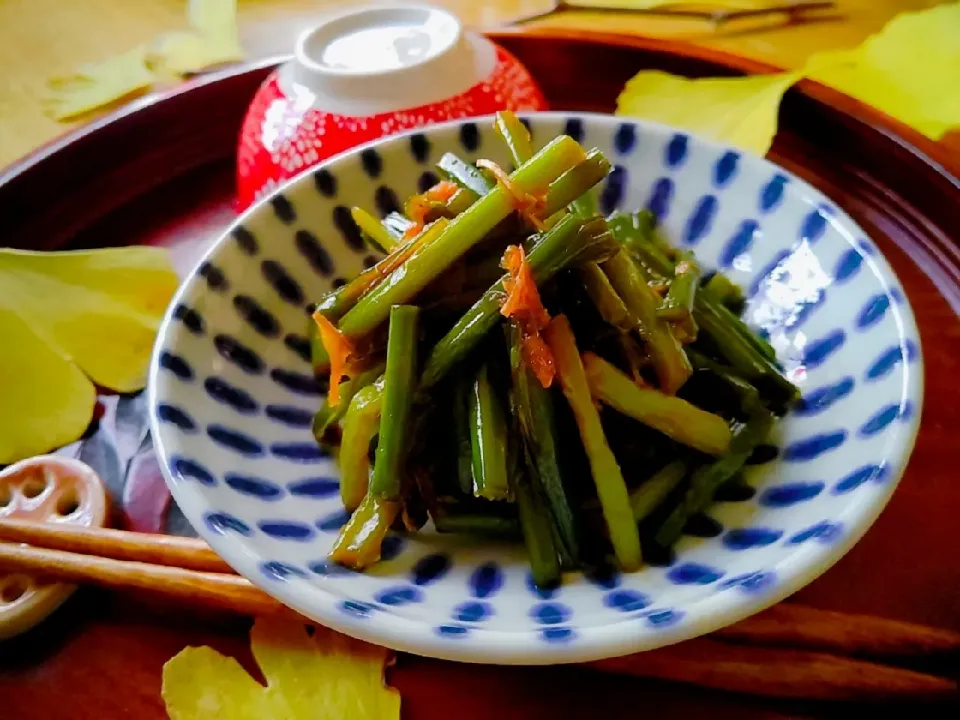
(788, 651)
(170, 550)
(780, 672)
(800, 626)
(215, 590)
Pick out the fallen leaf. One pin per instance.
(213, 17)
(212, 39)
(66, 319)
(182, 52)
(738, 111)
(318, 676)
(38, 416)
(97, 84)
(909, 70)
(701, 5)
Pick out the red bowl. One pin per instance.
(317, 105)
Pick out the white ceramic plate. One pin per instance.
(232, 396)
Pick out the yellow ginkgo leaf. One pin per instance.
(186, 51)
(738, 111)
(701, 5)
(97, 84)
(309, 676)
(910, 69)
(213, 17)
(47, 401)
(211, 40)
(67, 318)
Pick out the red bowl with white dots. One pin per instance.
(368, 73)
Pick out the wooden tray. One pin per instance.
(161, 172)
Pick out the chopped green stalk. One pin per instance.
(586, 205)
(398, 392)
(652, 491)
(726, 291)
(397, 224)
(678, 304)
(685, 330)
(337, 303)
(360, 425)
(637, 237)
(673, 416)
(749, 397)
(465, 175)
(724, 314)
(643, 225)
(750, 356)
(330, 414)
(462, 391)
(515, 135)
(646, 222)
(575, 182)
(634, 355)
(539, 532)
(668, 358)
(567, 561)
(358, 545)
(569, 241)
(707, 478)
(373, 231)
(605, 298)
(461, 200)
(741, 352)
(611, 488)
(493, 526)
(488, 441)
(428, 261)
(532, 406)
(429, 210)
(537, 536)
(413, 508)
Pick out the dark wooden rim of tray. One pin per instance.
(160, 170)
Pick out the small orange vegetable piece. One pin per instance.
(340, 350)
(526, 204)
(442, 191)
(537, 356)
(524, 305)
(418, 206)
(411, 232)
(523, 298)
(402, 253)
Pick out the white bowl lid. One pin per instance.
(379, 59)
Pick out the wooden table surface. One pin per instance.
(100, 656)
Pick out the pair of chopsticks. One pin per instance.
(175, 567)
(788, 651)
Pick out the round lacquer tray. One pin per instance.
(162, 171)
